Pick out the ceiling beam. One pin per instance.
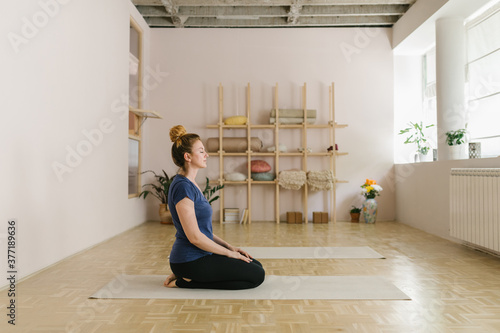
(262, 11)
(294, 14)
(199, 3)
(334, 21)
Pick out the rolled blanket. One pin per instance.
(292, 180)
(320, 180)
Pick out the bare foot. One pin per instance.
(170, 281)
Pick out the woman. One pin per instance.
(200, 259)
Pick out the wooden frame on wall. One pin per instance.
(135, 102)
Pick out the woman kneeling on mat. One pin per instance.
(200, 259)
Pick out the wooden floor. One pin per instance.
(453, 288)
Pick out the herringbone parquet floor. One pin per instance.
(453, 288)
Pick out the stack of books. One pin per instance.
(244, 216)
(231, 215)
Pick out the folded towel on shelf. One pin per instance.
(320, 180)
(293, 113)
(292, 179)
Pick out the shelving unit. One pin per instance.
(304, 126)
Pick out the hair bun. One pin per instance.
(176, 132)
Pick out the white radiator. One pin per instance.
(475, 207)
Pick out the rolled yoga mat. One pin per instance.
(234, 145)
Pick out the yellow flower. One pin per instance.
(369, 189)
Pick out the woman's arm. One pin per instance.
(187, 216)
(225, 244)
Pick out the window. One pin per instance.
(135, 102)
(429, 109)
(483, 81)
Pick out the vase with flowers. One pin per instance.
(370, 189)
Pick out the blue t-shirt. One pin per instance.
(183, 250)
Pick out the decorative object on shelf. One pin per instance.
(160, 191)
(292, 179)
(257, 166)
(263, 176)
(292, 116)
(370, 190)
(417, 136)
(235, 177)
(320, 180)
(234, 145)
(209, 191)
(455, 139)
(236, 120)
(281, 148)
(355, 213)
(474, 149)
(331, 148)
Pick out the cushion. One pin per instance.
(263, 176)
(236, 120)
(260, 166)
(235, 177)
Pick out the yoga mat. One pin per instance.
(319, 252)
(273, 288)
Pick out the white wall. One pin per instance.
(359, 61)
(66, 66)
(423, 193)
(422, 189)
(408, 103)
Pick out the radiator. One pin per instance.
(475, 207)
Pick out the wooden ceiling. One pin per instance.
(271, 13)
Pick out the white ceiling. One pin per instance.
(271, 13)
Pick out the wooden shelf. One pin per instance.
(145, 113)
(331, 125)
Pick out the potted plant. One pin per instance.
(455, 139)
(159, 190)
(355, 212)
(417, 136)
(209, 191)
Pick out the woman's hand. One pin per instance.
(237, 249)
(239, 255)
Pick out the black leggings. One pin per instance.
(218, 272)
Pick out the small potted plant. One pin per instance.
(159, 190)
(355, 212)
(455, 140)
(417, 136)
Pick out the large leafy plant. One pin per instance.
(417, 136)
(159, 189)
(209, 191)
